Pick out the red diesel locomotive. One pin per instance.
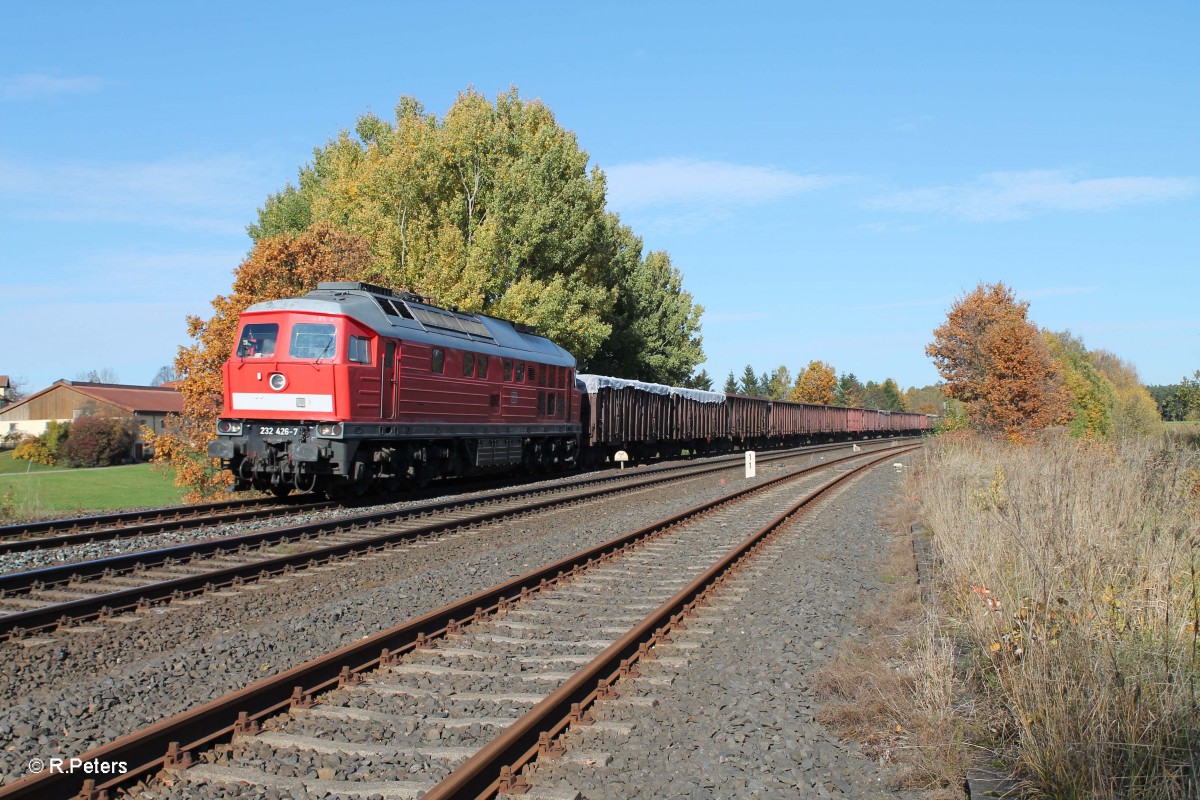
(354, 386)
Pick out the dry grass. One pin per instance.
(896, 693)
(1070, 579)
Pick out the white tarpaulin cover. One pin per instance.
(594, 383)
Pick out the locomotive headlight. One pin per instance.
(332, 429)
(277, 381)
(229, 427)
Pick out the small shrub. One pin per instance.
(44, 449)
(98, 442)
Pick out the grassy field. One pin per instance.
(1070, 578)
(10, 465)
(44, 491)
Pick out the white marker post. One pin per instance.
(621, 457)
(750, 464)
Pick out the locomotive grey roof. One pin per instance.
(409, 317)
(592, 384)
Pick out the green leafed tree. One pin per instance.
(701, 380)
(731, 385)
(778, 383)
(849, 392)
(492, 208)
(885, 396)
(655, 325)
(749, 383)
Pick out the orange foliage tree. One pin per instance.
(276, 267)
(816, 383)
(994, 360)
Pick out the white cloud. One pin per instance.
(1003, 196)
(35, 85)
(215, 193)
(691, 182)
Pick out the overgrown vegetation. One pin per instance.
(1015, 380)
(1069, 576)
(89, 441)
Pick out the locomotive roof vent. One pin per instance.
(423, 310)
(361, 286)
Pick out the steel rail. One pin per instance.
(18, 623)
(24, 537)
(171, 742)
(495, 766)
(198, 520)
(23, 531)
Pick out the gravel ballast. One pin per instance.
(728, 709)
(83, 687)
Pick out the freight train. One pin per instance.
(355, 387)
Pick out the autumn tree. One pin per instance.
(1134, 411)
(493, 208)
(98, 441)
(924, 400)
(996, 362)
(816, 383)
(1092, 395)
(280, 266)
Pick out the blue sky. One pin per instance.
(828, 177)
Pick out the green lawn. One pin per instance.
(45, 492)
(8, 464)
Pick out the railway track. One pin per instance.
(42, 599)
(52, 537)
(48, 534)
(456, 702)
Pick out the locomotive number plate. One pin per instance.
(271, 430)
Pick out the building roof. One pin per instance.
(4, 382)
(134, 399)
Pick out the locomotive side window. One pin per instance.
(481, 365)
(520, 371)
(312, 340)
(507, 370)
(468, 364)
(258, 340)
(438, 361)
(550, 404)
(541, 408)
(359, 353)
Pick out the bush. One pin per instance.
(44, 449)
(98, 442)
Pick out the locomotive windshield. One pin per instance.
(258, 340)
(312, 340)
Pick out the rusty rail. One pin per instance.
(172, 742)
(497, 765)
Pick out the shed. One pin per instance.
(67, 400)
